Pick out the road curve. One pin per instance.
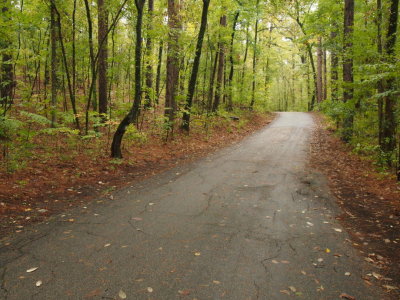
(249, 222)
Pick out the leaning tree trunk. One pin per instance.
(348, 88)
(380, 84)
(195, 68)
(134, 111)
(220, 72)
(102, 57)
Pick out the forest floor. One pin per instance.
(370, 202)
(51, 183)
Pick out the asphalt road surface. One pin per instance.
(248, 222)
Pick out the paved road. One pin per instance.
(249, 222)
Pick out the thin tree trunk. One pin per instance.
(149, 64)
(348, 88)
(159, 65)
(172, 61)
(6, 68)
(195, 68)
(220, 73)
(380, 85)
(230, 80)
(211, 85)
(334, 69)
(134, 111)
(255, 50)
(103, 57)
(319, 71)
(389, 124)
(54, 62)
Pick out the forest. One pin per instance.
(98, 75)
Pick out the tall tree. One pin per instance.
(230, 78)
(149, 64)
(195, 68)
(133, 114)
(6, 68)
(172, 61)
(54, 61)
(102, 64)
(348, 89)
(389, 123)
(255, 50)
(220, 71)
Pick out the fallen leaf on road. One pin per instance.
(285, 292)
(390, 287)
(320, 259)
(107, 245)
(150, 290)
(292, 288)
(310, 224)
(137, 219)
(184, 292)
(122, 294)
(377, 276)
(346, 296)
(275, 261)
(303, 272)
(216, 282)
(337, 229)
(285, 261)
(32, 270)
(38, 283)
(197, 253)
(327, 250)
(347, 274)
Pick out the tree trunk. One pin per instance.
(220, 72)
(149, 64)
(158, 78)
(389, 124)
(319, 71)
(211, 85)
(253, 90)
(54, 62)
(348, 88)
(230, 78)
(6, 69)
(92, 95)
(102, 64)
(195, 68)
(334, 69)
(134, 111)
(380, 84)
(172, 61)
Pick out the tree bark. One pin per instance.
(149, 64)
(253, 90)
(389, 124)
(102, 64)
(220, 72)
(172, 61)
(319, 71)
(159, 65)
(6, 69)
(54, 62)
(133, 114)
(195, 68)
(334, 69)
(348, 88)
(230, 79)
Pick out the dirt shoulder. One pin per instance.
(50, 185)
(370, 204)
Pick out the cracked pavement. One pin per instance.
(249, 222)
